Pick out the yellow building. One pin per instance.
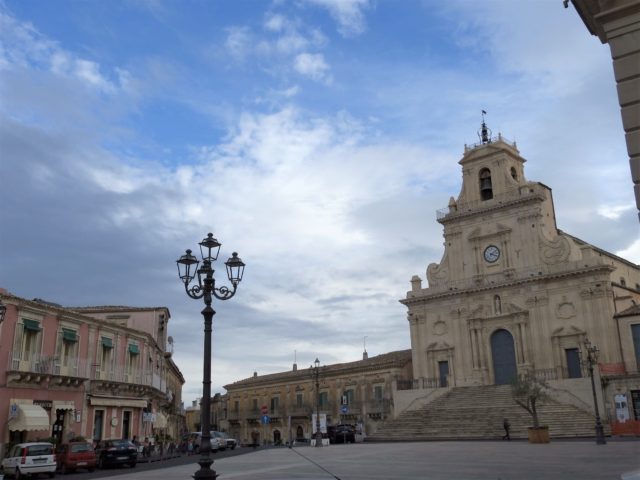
(355, 392)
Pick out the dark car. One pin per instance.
(116, 452)
(73, 455)
(343, 433)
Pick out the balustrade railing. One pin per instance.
(81, 368)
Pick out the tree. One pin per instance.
(527, 391)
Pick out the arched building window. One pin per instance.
(486, 190)
(514, 174)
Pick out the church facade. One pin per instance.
(513, 293)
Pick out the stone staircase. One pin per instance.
(478, 412)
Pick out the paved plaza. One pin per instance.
(516, 460)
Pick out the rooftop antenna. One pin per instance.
(484, 133)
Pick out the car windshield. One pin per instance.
(120, 444)
(40, 450)
(81, 447)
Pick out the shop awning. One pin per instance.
(107, 342)
(161, 420)
(63, 405)
(118, 402)
(30, 418)
(133, 349)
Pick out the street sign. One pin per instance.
(264, 410)
(265, 419)
(344, 409)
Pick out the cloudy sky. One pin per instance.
(317, 138)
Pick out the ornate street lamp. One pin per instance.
(592, 359)
(315, 373)
(206, 288)
(3, 310)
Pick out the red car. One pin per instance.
(73, 455)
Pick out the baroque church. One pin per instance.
(514, 294)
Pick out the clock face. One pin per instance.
(491, 253)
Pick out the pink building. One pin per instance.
(97, 372)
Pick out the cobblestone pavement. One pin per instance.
(562, 460)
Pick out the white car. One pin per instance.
(28, 458)
(228, 441)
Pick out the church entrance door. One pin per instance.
(504, 357)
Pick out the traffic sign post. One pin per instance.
(265, 419)
(344, 409)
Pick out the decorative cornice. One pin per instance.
(417, 300)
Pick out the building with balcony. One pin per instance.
(354, 392)
(94, 372)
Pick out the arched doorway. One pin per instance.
(277, 440)
(299, 433)
(504, 357)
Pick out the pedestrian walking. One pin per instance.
(506, 425)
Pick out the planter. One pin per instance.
(539, 435)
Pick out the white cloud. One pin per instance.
(348, 14)
(313, 65)
(614, 212)
(238, 42)
(24, 47)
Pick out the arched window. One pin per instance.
(486, 190)
(514, 174)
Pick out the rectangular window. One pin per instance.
(299, 400)
(350, 396)
(378, 392)
(254, 405)
(323, 400)
(635, 335)
(236, 406)
(275, 401)
(573, 363)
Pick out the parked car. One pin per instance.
(116, 452)
(73, 455)
(225, 440)
(30, 459)
(231, 442)
(343, 433)
(216, 442)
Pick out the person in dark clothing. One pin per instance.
(506, 426)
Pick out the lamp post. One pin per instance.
(206, 288)
(592, 359)
(315, 372)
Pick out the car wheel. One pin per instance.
(133, 465)
(233, 447)
(91, 470)
(52, 474)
